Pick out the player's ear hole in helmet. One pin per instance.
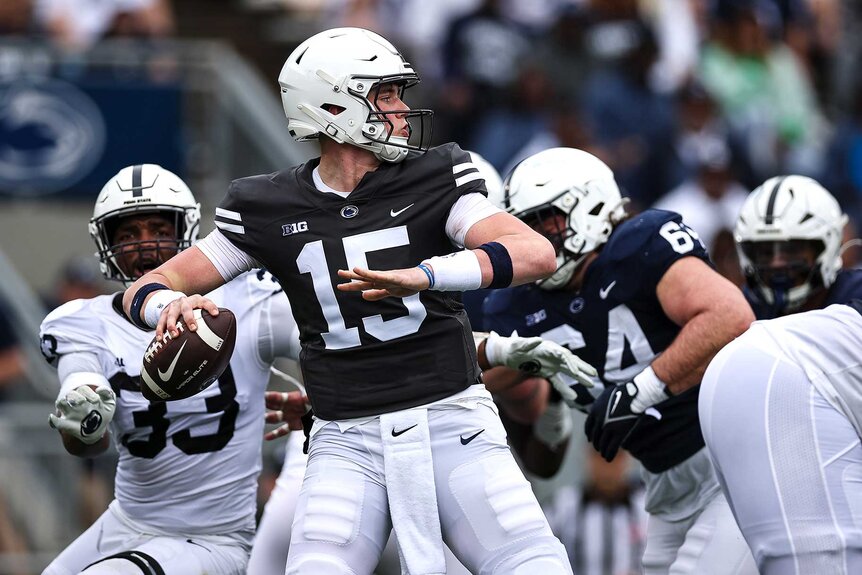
(365, 77)
(571, 197)
(142, 196)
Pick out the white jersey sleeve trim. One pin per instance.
(77, 369)
(229, 260)
(469, 209)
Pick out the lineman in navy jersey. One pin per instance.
(186, 482)
(801, 369)
(405, 437)
(638, 299)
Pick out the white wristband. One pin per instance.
(157, 302)
(554, 426)
(651, 390)
(458, 271)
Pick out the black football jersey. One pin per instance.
(616, 323)
(363, 358)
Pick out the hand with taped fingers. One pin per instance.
(376, 285)
(287, 408)
(183, 308)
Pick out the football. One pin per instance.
(179, 367)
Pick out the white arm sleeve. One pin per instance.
(469, 209)
(229, 260)
(278, 334)
(77, 369)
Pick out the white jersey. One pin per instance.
(187, 466)
(827, 344)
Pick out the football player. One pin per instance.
(406, 437)
(781, 407)
(636, 297)
(186, 481)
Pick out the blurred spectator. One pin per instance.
(842, 174)
(562, 53)
(675, 25)
(77, 24)
(710, 199)
(602, 524)
(627, 117)
(482, 55)
(11, 356)
(502, 131)
(79, 278)
(16, 16)
(565, 128)
(762, 89)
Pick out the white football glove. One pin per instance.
(85, 413)
(542, 358)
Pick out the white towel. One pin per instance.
(411, 491)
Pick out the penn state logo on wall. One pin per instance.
(51, 135)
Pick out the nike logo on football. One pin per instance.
(465, 441)
(393, 213)
(603, 292)
(167, 375)
(405, 430)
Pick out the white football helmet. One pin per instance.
(493, 181)
(779, 220)
(577, 185)
(137, 190)
(340, 67)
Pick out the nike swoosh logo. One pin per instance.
(465, 441)
(617, 396)
(405, 430)
(393, 213)
(167, 375)
(603, 292)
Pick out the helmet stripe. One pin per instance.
(773, 196)
(137, 187)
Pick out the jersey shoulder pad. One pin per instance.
(456, 166)
(847, 286)
(75, 326)
(653, 239)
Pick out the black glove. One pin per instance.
(611, 419)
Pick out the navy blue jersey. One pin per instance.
(616, 323)
(847, 286)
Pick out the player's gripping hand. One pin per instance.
(615, 413)
(286, 408)
(376, 285)
(543, 358)
(183, 308)
(84, 413)
(611, 419)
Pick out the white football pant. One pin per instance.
(113, 545)
(789, 462)
(489, 517)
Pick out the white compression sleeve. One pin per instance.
(77, 369)
(469, 209)
(229, 260)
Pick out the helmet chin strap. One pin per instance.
(566, 269)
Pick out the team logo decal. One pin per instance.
(52, 136)
(577, 305)
(349, 212)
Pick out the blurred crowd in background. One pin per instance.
(692, 103)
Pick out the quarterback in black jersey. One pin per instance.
(405, 437)
(637, 298)
(800, 367)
